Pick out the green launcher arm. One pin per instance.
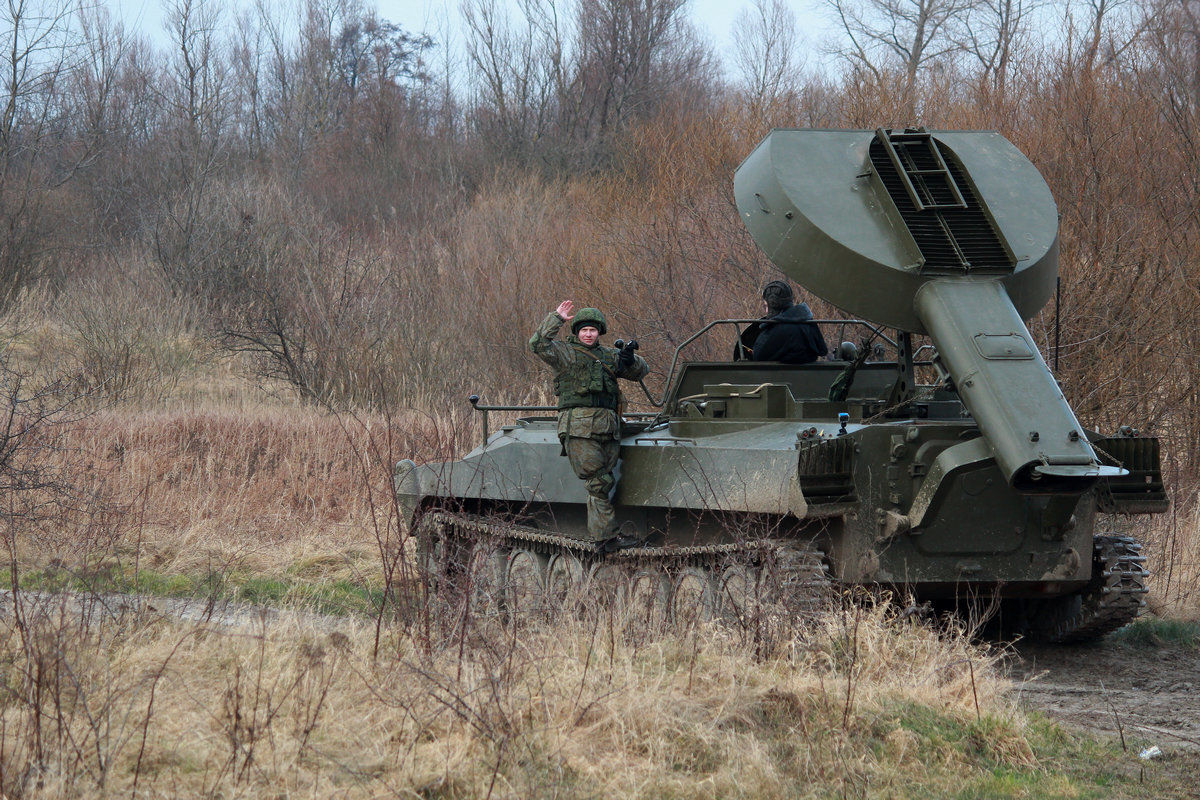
(1002, 379)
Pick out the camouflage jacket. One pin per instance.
(584, 380)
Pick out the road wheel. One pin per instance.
(432, 566)
(525, 584)
(649, 597)
(564, 583)
(694, 599)
(607, 589)
(486, 577)
(741, 591)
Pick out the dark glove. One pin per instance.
(625, 359)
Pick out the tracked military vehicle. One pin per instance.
(956, 471)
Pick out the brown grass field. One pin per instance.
(287, 506)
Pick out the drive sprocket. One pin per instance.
(1113, 598)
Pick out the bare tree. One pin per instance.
(39, 48)
(1100, 14)
(199, 86)
(376, 56)
(300, 87)
(114, 108)
(520, 70)
(341, 69)
(900, 35)
(1171, 77)
(197, 102)
(766, 55)
(992, 31)
(248, 60)
(618, 44)
(1173, 38)
(634, 56)
(556, 88)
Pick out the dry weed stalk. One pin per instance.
(207, 708)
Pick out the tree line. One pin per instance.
(376, 217)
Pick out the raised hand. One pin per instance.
(566, 310)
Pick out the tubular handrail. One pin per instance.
(485, 409)
(474, 401)
(661, 401)
(675, 360)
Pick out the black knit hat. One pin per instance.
(778, 296)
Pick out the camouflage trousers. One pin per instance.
(594, 460)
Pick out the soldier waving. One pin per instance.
(585, 381)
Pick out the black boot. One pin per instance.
(624, 538)
(619, 542)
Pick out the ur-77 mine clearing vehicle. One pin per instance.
(977, 482)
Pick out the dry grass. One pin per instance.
(1173, 555)
(203, 500)
(436, 703)
(574, 709)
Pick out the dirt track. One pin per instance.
(1152, 695)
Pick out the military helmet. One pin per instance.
(589, 316)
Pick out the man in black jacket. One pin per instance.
(786, 333)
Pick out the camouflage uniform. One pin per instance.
(588, 427)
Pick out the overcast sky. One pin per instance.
(714, 18)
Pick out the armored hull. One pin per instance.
(962, 473)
